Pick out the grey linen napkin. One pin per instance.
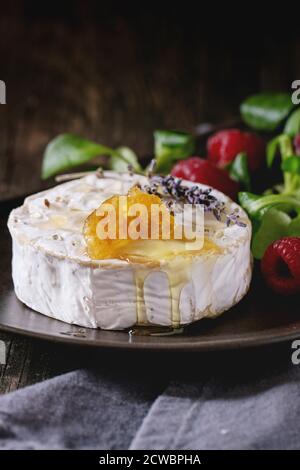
(233, 401)
(77, 410)
(210, 417)
(244, 400)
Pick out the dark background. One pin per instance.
(114, 72)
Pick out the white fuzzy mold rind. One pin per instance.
(53, 275)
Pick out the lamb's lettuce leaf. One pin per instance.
(266, 111)
(68, 151)
(239, 171)
(274, 225)
(170, 146)
(292, 125)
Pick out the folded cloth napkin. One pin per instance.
(220, 416)
(77, 410)
(233, 401)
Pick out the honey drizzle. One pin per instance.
(141, 316)
(178, 272)
(177, 275)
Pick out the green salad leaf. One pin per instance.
(294, 227)
(170, 146)
(256, 206)
(122, 158)
(272, 148)
(274, 225)
(270, 213)
(282, 143)
(266, 111)
(292, 125)
(248, 200)
(270, 217)
(68, 151)
(291, 165)
(239, 171)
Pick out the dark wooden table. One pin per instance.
(113, 77)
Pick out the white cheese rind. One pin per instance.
(53, 275)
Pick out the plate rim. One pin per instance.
(252, 341)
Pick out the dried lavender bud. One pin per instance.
(171, 186)
(234, 219)
(217, 214)
(99, 172)
(130, 169)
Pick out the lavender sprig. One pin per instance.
(171, 186)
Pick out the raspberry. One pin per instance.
(203, 171)
(223, 147)
(297, 144)
(281, 265)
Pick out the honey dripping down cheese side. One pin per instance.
(147, 252)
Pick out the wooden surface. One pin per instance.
(113, 77)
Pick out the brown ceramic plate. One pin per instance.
(260, 318)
